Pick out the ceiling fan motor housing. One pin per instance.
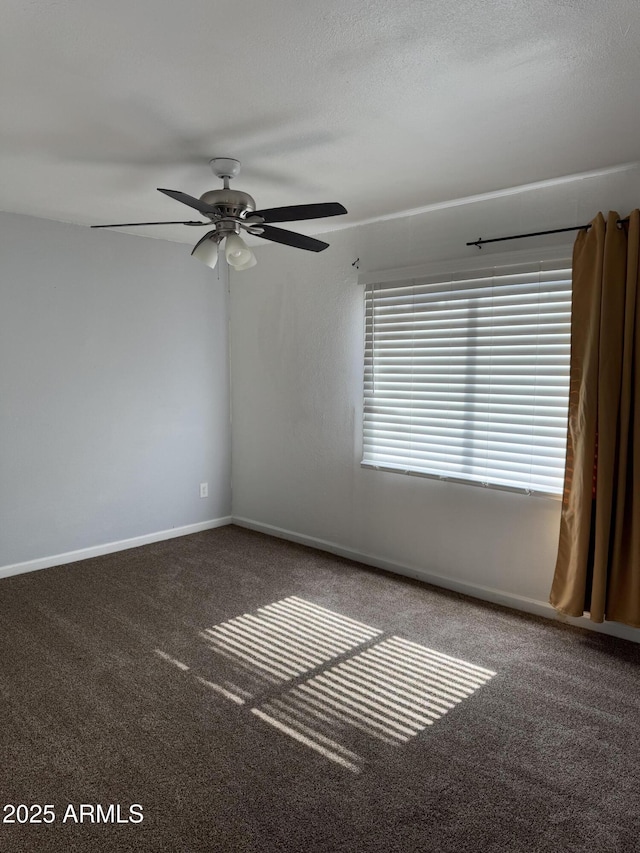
(230, 202)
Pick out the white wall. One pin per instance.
(114, 389)
(296, 364)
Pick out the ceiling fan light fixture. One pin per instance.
(250, 263)
(206, 250)
(238, 254)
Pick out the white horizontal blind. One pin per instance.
(468, 378)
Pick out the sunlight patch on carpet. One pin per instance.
(169, 659)
(288, 638)
(228, 694)
(391, 691)
(329, 682)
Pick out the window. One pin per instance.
(467, 376)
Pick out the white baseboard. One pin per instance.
(110, 547)
(497, 596)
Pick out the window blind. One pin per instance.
(467, 377)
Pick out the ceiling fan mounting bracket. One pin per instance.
(225, 167)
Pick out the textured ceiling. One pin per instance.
(381, 106)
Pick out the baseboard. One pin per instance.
(110, 547)
(485, 593)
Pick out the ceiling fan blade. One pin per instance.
(131, 224)
(290, 238)
(206, 209)
(295, 212)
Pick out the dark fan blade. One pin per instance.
(290, 238)
(131, 224)
(296, 212)
(190, 200)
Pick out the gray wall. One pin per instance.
(114, 388)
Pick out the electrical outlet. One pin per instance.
(204, 490)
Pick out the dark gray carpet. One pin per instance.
(127, 679)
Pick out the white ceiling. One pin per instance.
(383, 106)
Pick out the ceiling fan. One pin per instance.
(232, 211)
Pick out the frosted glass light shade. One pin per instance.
(250, 263)
(206, 251)
(238, 254)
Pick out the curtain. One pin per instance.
(598, 563)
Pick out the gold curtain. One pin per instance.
(598, 564)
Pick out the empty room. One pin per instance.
(319, 426)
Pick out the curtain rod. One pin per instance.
(480, 242)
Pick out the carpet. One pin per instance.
(229, 691)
